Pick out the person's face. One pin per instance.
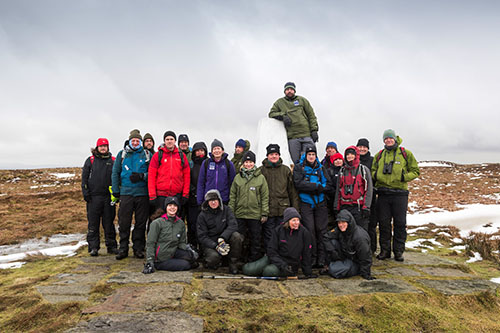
(338, 162)
(363, 150)
(148, 143)
(389, 142)
(102, 149)
(217, 152)
(330, 151)
(289, 92)
(199, 152)
(239, 149)
(184, 145)
(273, 157)
(342, 225)
(248, 164)
(350, 157)
(311, 157)
(214, 204)
(294, 223)
(169, 142)
(135, 142)
(171, 209)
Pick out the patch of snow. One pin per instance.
(62, 174)
(477, 257)
(444, 234)
(37, 244)
(13, 180)
(424, 251)
(419, 243)
(45, 185)
(3, 194)
(458, 248)
(493, 196)
(495, 280)
(412, 231)
(412, 205)
(457, 240)
(16, 264)
(426, 164)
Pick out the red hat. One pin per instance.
(102, 142)
(336, 156)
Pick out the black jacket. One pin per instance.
(289, 247)
(354, 243)
(96, 175)
(366, 160)
(213, 224)
(195, 172)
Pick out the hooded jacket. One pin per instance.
(96, 176)
(215, 175)
(237, 157)
(357, 178)
(312, 182)
(166, 234)
(300, 112)
(195, 172)
(249, 197)
(171, 177)
(215, 223)
(403, 170)
(289, 247)
(282, 193)
(134, 161)
(354, 244)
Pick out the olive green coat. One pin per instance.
(300, 112)
(164, 237)
(249, 198)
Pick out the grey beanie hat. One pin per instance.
(216, 143)
(290, 213)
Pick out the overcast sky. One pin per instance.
(73, 71)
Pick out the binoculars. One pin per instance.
(387, 168)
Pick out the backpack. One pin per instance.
(92, 158)
(403, 152)
(146, 152)
(160, 157)
(356, 191)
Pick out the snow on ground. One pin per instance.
(477, 257)
(426, 164)
(419, 243)
(62, 174)
(496, 280)
(17, 264)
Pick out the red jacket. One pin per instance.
(171, 177)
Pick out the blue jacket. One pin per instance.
(215, 175)
(311, 182)
(134, 161)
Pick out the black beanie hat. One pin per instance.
(248, 156)
(171, 200)
(183, 137)
(135, 134)
(290, 213)
(363, 142)
(216, 143)
(273, 148)
(290, 85)
(310, 148)
(169, 133)
(350, 151)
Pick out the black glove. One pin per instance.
(193, 251)
(365, 213)
(311, 276)
(369, 277)
(148, 268)
(152, 202)
(287, 271)
(136, 177)
(314, 136)
(287, 121)
(278, 117)
(86, 197)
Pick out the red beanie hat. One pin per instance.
(335, 157)
(102, 142)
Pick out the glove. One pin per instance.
(152, 202)
(277, 117)
(148, 268)
(193, 252)
(263, 219)
(287, 121)
(365, 213)
(287, 271)
(86, 197)
(183, 201)
(369, 277)
(223, 247)
(320, 188)
(136, 177)
(314, 136)
(311, 276)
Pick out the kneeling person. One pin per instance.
(166, 247)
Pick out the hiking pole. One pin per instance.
(248, 277)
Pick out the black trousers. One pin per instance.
(316, 221)
(251, 230)
(213, 259)
(177, 263)
(268, 227)
(392, 208)
(372, 224)
(192, 217)
(139, 207)
(356, 213)
(99, 211)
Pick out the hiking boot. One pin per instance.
(94, 252)
(139, 254)
(324, 271)
(384, 255)
(233, 268)
(112, 250)
(398, 256)
(121, 255)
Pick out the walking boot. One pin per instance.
(398, 256)
(383, 255)
(121, 255)
(94, 252)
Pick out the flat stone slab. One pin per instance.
(73, 289)
(134, 266)
(65, 298)
(224, 289)
(79, 278)
(102, 260)
(158, 276)
(171, 321)
(439, 271)
(459, 287)
(150, 298)
(418, 258)
(353, 286)
(89, 268)
(401, 271)
(303, 288)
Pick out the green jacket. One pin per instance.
(282, 193)
(237, 157)
(249, 198)
(165, 235)
(300, 112)
(403, 170)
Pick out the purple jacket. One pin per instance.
(215, 175)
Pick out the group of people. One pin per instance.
(269, 219)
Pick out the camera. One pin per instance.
(388, 168)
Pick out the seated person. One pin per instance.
(166, 247)
(348, 249)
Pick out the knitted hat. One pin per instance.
(216, 143)
(171, 200)
(290, 85)
(331, 144)
(363, 142)
(248, 156)
(336, 156)
(102, 142)
(241, 143)
(310, 148)
(169, 133)
(273, 148)
(135, 134)
(290, 213)
(149, 136)
(389, 133)
(183, 137)
(350, 151)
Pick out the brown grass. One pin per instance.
(484, 244)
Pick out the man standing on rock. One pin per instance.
(393, 167)
(300, 121)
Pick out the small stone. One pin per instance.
(241, 289)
